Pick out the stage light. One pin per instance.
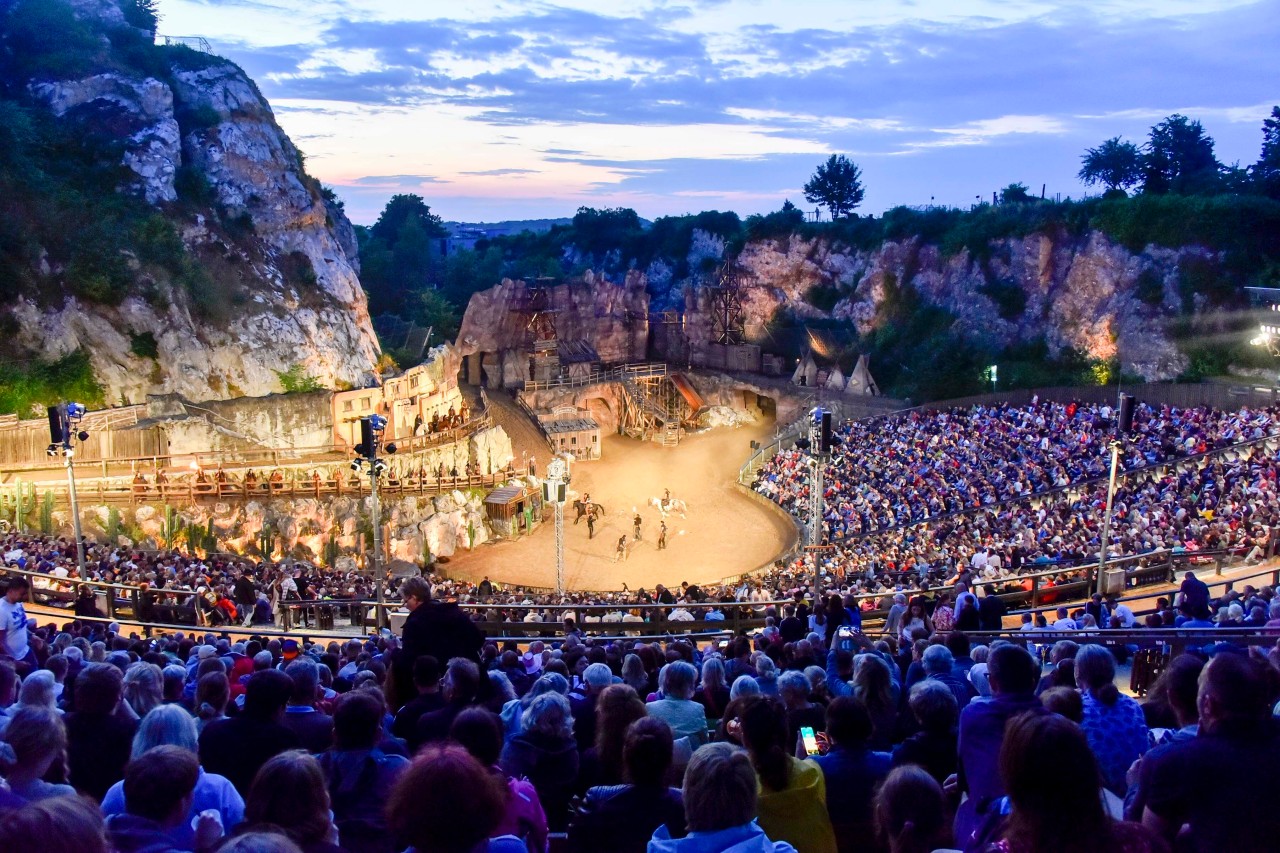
(391, 448)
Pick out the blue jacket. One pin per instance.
(747, 838)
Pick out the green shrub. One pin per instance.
(144, 345)
(296, 380)
(33, 384)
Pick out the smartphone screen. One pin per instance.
(810, 740)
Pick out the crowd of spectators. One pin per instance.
(929, 494)
(789, 740)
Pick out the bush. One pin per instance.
(27, 387)
(144, 345)
(296, 380)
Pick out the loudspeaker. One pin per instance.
(557, 493)
(1125, 422)
(57, 425)
(824, 431)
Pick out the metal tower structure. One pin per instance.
(727, 322)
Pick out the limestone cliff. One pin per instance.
(1083, 293)
(1086, 293)
(612, 317)
(266, 278)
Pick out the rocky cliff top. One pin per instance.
(230, 264)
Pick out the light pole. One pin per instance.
(1124, 423)
(817, 445)
(64, 420)
(371, 429)
(554, 490)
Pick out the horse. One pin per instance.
(673, 505)
(580, 510)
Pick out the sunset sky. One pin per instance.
(506, 110)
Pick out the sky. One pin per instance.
(516, 109)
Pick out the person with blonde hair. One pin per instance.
(143, 687)
(171, 725)
(33, 741)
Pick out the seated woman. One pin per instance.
(623, 817)
(1062, 811)
(479, 731)
(720, 799)
(359, 774)
(34, 739)
(677, 709)
(793, 793)
(546, 753)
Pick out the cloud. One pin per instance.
(495, 173)
(397, 180)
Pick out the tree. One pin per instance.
(143, 14)
(1266, 172)
(401, 208)
(399, 254)
(1115, 164)
(1179, 158)
(836, 185)
(1014, 193)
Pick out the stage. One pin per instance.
(727, 531)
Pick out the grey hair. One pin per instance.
(817, 676)
(933, 704)
(719, 788)
(744, 686)
(792, 682)
(677, 680)
(502, 684)
(598, 675)
(937, 660)
(37, 690)
(167, 725)
(549, 715)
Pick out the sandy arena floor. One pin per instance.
(726, 531)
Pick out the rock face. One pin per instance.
(1079, 293)
(282, 283)
(613, 318)
(1082, 293)
(304, 527)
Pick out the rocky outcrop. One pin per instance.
(279, 290)
(1075, 293)
(613, 318)
(305, 528)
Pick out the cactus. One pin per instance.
(331, 551)
(113, 526)
(46, 514)
(471, 534)
(171, 528)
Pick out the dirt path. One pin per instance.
(526, 439)
(726, 531)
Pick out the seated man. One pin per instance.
(159, 787)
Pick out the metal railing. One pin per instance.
(616, 374)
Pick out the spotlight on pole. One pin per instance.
(371, 430)
(64, 434)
